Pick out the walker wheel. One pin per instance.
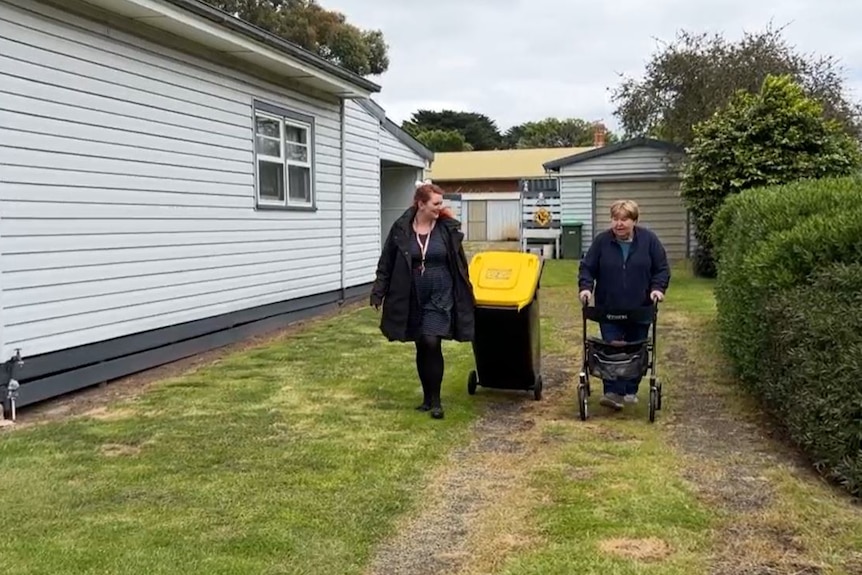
(653, 401)
(582, 401)
(472, 382)
(658, 395)
(537, 388)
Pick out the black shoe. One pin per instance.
(437, 412)
(424, 407)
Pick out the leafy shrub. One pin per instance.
(748, 218)
(776, 136)
(789, 259)
(749, 221)
(703, 262)
(783, 261)
(813, 370)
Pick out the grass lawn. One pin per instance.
(622, 496)
(290, 458)
(304, 455)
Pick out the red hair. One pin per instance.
(424, 194)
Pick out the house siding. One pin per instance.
(576, 205)
(362, 170)
(393, 150)
(576, 181)
(128, 188)
(634, 161)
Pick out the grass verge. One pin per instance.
(295, 457)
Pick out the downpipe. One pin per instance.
(10, 395)
(343, 200)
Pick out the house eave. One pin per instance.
(223, 33)
(415, 145)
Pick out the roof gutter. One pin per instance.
(256, 33)
(218, 30)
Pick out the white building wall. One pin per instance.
(393, 150)
(504, 220)
(362, 247)
(397, 187)
(128, 187)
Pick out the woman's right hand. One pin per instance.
(584, 296)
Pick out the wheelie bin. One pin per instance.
(507, 344)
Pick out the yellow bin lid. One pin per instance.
(505, 279)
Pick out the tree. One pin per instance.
(443, 140)
(554, 133)
(775, 136)
(692, 77)
(324, 32)
(478, 130)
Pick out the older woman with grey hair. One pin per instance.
(625, 268)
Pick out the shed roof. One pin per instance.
(588, 154)
(497, 164)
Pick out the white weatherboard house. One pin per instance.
(173, 179)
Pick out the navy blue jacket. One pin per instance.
(619, 284)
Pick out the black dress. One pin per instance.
(431, 309)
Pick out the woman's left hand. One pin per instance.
(656, 296)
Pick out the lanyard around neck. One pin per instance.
(423, 247)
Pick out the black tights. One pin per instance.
(429, 364)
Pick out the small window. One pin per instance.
(283, 145)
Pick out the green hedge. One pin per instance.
(779, 247)
(815, 370)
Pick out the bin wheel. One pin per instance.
(537, 388)
(653, 402)
(472, 382)
(582, 401)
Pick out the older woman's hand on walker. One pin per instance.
(656, 296)
(584, 296)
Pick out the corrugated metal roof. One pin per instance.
(497, 164)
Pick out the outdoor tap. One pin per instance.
(12, 394)
(15, 363)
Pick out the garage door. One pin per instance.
(661, 210)
(477, 222)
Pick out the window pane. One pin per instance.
(294, 134)
(300, 183)
(297, 153)
(268, 127)
(268, 146)
(271, 180)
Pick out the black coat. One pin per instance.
(394, 284)
(624, 285)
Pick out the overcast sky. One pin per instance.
(536, 58)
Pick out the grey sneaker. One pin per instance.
(612, 400)
(630, 398)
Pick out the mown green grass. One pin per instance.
(614, 479)
(300, 456)
(295, 457)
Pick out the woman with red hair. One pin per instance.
(423, 285)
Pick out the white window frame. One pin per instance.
(285, 118)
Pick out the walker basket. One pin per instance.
(615, 362)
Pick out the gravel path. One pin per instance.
(474, 505)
